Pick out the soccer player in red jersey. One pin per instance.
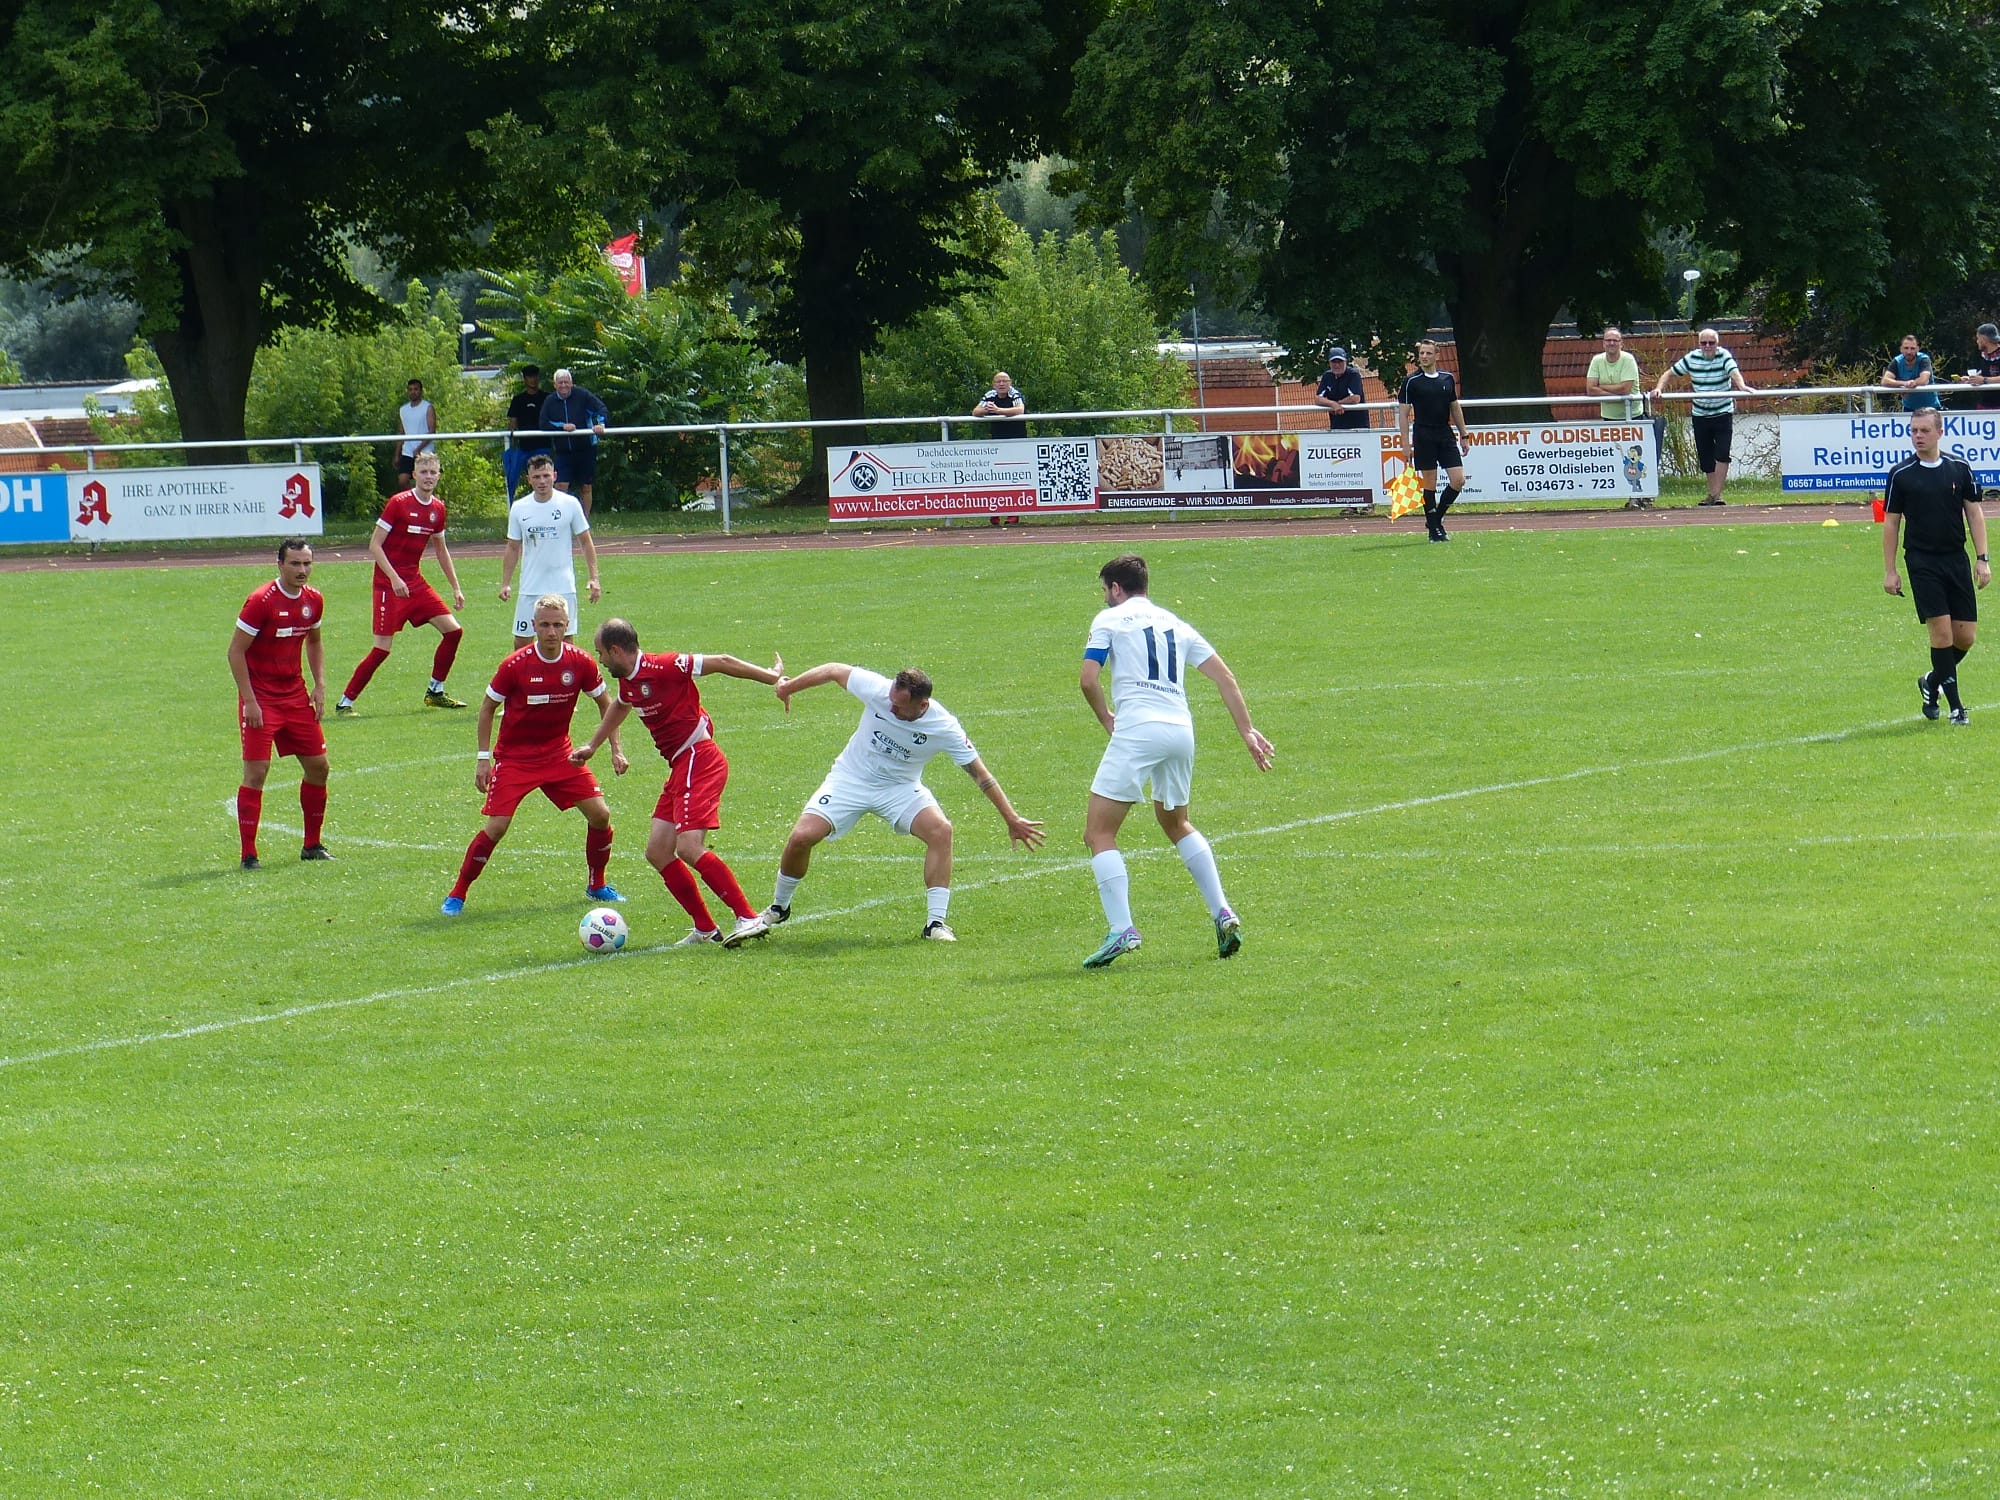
(661, 688)
(411, 522)
(538, 687)
(275, 626)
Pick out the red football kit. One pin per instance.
(662, 692)
(537, 698)
(278, 624)
(407, 526)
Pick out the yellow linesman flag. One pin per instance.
(1406, 494)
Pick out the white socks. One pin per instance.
(1114, 888)
(937, 901)
(782, 894)
(1200, 861)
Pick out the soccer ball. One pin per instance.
(603, 930)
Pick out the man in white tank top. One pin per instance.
(1149, 650)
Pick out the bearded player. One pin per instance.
(411, 522)
(661, 689)
(276, 625)
(537, 687)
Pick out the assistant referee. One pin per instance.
(1938, 495)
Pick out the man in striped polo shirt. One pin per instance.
(1711, 370)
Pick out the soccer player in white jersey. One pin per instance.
(1149, 650)
(881, 772)
(542, 529)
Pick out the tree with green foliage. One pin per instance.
(675, 357)
(58, 330)
(831, 155)
(1352, 166)
(1065, 319)
(213, 160)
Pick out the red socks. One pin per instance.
(447, 653)
(312, 807)
(722, 880)
(249, 809)
(476, 854)
(681, 886)
(375, 657)
(597, 854)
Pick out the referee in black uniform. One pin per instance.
(1430, 411)
(1937, 494)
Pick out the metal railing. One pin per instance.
(722, 431)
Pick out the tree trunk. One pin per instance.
(208, 355)
(831, 315)
(1507, 284)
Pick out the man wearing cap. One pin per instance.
(1984, 368)
(1339, 390)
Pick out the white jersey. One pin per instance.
(546, 530)
(416, 417)
(1150, 650)
(888, 751)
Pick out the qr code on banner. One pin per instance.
(1066, 473)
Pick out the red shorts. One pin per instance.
(692, 797)
(558, 780)
(392, 614)
(289, 725)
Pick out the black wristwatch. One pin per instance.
(1982, 557)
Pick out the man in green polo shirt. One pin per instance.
(1615, 372)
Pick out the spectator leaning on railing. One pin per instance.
(1984, 368)
(1615, 372)
(1911, 373)
(1711, 371)
(1339, 389)
(577, 418)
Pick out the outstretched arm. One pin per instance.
(1020, 830)
(1217, 671)
(832, 671)
(607, 726)
(735, 666)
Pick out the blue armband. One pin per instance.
(1098, 654)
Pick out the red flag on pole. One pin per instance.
(623, 253)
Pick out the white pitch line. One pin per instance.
(206, 1028)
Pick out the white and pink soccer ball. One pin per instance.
(603, 930)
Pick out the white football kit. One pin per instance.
(1150, 651)
(881, 769)
(546, 531)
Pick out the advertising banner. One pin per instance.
(1234, 471)
(157, 505)
(994, 477)
(1562, 461)
(1854, 451)
(34, 508)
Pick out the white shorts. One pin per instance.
(524, 614)
(842, 802)
(1160, 753)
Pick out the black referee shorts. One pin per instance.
(1941, 584)
(1434, 450)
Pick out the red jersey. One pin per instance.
(278, 624)
(537, 698)
(408, 525)
(662, 693)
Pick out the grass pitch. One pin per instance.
(1596, 1108)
